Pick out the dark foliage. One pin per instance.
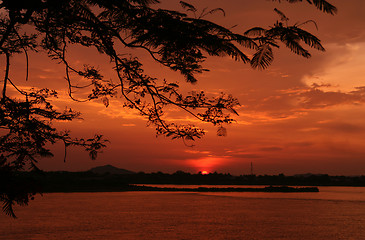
(180, 41)
(93, 182)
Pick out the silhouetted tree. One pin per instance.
(180, 41)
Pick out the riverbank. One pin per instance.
(225, 189)
(143, 188)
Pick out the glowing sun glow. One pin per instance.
(204, 172)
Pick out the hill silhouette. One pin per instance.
(110, 178)
(109, 169)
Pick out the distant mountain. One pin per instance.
(306, 175)
(110, 169)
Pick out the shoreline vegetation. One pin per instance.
(223, 189)
(111, 179)
(143, 188)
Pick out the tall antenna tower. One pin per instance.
(251, 168)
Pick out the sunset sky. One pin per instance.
(298, 116)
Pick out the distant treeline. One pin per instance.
(89, 181)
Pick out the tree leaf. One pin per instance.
(188, 6)
(263, 57)
(221, 131)
(105, 101)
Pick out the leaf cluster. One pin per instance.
(179, 40)
(26, 132)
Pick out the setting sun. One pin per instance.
(182, 119)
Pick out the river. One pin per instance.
(333, 213)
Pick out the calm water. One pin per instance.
(333, 213)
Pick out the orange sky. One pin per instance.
(298, 116)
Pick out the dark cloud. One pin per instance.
(288, 102)
(317, 98)
(271, 149)
(301, 144)
(246, 155)
(343, 127)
